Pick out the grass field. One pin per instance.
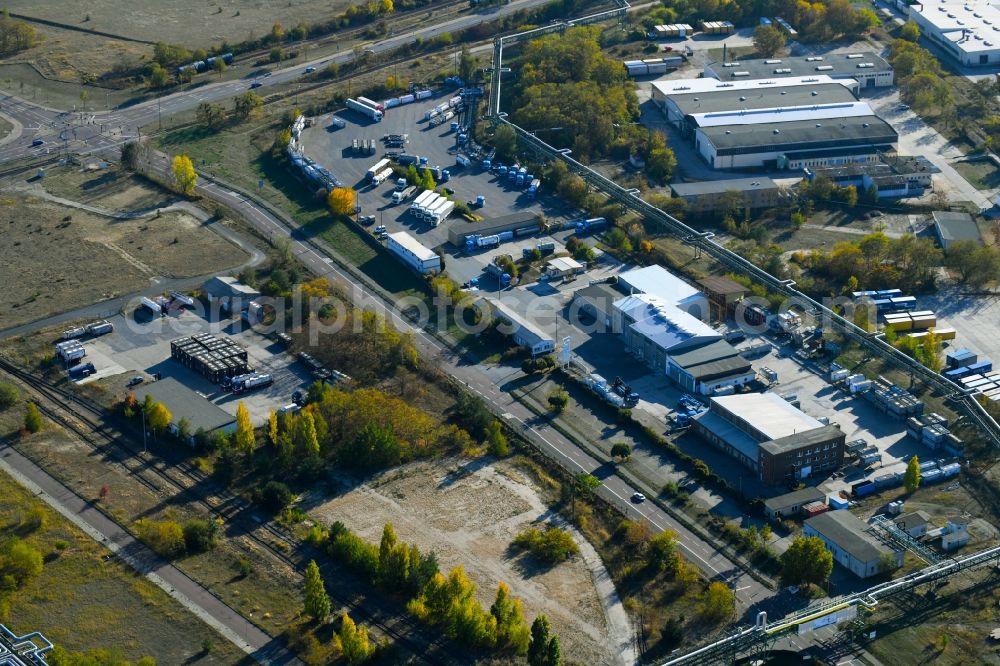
(83, 600)
(188, 22)
(55, 258)
(983, 174)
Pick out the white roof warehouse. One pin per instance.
(413, 253)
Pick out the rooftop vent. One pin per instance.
(774, 61)
(743, 98)
(814, 58)
(865, 65)
(741, 73)
(814, 93)
(777, 131)
(824, 68)
(854, 55)
(783, 70)
(866, 125)
(819, 124)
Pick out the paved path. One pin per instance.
(229, 623)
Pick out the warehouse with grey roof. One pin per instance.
(869, 69)
(852, 546)
(186, 404)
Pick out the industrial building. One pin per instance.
(767, 434)
(852, 546)
(523, 332)
(870, 70)
(723, 296)
(597, 301)
(951, 227)
(667, 287)
(522, 224)
(710, 367)
(708, 196)
(680, 98)
(229, 292)
(893, 176)
(184, 403)
(792, 138)
(412, 253)
(790, 504)
(968, 31)
(562, 267)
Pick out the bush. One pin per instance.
(554, 545)
(275, 496)
(540, 364)
(8, 395)
(558, 400)
(165, 538)
(200, 535)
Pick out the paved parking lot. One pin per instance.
(135, 348)
(332, 148)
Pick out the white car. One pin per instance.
(638, 498)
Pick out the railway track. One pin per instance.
(87, 420)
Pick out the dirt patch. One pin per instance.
(109, 188)
(468, 513)
(55, 258)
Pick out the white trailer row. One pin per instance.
(432, 207)
(652, 65)
(382, 176)
(377, 168)
(315, 174)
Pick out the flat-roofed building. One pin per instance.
(521, 224)
(968, 31)
(413, 253)
(185, 403)
(664, 285)
(597, 301)
(869, 69)
(790, 504)
(708, 196)
(893, 176)
(769, 435)
(952, 226)
(723, 295)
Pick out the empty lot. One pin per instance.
(468, 512)
(55, 258)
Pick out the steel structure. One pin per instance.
(886, 531)
(27, 650)
(750, 639)
(872, 344)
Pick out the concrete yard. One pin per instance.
(331, 147)
(135, 348)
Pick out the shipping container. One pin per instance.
(365, 110)
(82, 370)
(863, 489)
(100, 328)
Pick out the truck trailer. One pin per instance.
(420, 200)
(382, 177)
(372, 103)
(364, 109)
(441, 213)
(377, 168)
(400, 196)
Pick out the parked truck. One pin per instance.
(374, 114)
(100, 328)
(441, 213)
(533, 188)
(462, 160)
(82, 370)
(399, 196)
(150, 305)
(245, 383)
(372, 104)
(382, 177)
(377, 168)
(419, 201)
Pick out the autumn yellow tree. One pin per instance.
(159, 417)
(185, 177)
(341, 201)
(244, 429)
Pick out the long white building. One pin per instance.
(967, 31)
(413, 253)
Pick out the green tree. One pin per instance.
(660, 164)
(220, 66)
(661, 553)
(185, 177)
(159, 77)
(573, 190)
(505, 142)
(20, 561)
(910, 31)
(164, 537)
(277, 54)
(496, 441)
(911, 479)
(385, 547)
(246, 103)
(768, 40)
(621, 451)
(539, 645)
(9, 395)
(316, 602)
(245, 439)
(32, 418)
(718, 603)
(275, 496)
(807, 560)
(211, 116)
(553, 657)
(558, 400)
(375, 448)
(306, 440)
(512, 631)
(975, 264)
(466, 65)
(352, 641)
(200, 536)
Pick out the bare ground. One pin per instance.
(56, 258)
(468, 512)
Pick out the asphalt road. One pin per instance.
(193, 596)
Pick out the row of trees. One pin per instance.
(351, 640)
(920, 78)
(214, 116)
(447, 602)
(878, 262)
(170, 539)
(975, 264)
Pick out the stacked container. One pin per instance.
(211, 356)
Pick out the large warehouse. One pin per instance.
(967, 31)
(792, 138)
(679, 98)
(852, 545)
(415, 255)
(779, 442)
(659, 282)
(868, 69)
